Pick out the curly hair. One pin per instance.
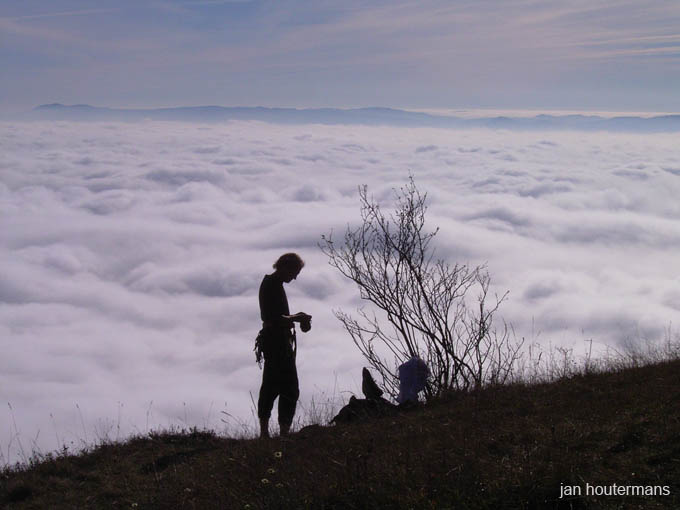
(291, 260)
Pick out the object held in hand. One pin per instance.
(306, 325)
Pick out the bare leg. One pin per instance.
(264, 428)
(284, 428)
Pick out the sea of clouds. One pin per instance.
(131, 255)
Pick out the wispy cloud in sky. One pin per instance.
(434, 53)
(82, 12)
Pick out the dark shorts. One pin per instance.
(279, 379)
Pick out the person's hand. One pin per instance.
(299, 317)
(304, 319)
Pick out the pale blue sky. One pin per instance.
(539, 54)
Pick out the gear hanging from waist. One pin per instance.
(276, 341)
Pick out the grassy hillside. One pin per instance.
(509, 447)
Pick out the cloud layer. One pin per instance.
(131, 254)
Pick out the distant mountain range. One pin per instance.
(364, 116)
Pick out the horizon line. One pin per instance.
(462, 112)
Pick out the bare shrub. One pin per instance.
(422, 306)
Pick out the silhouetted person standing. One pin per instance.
(277, 344)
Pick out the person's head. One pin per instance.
(288, 266)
